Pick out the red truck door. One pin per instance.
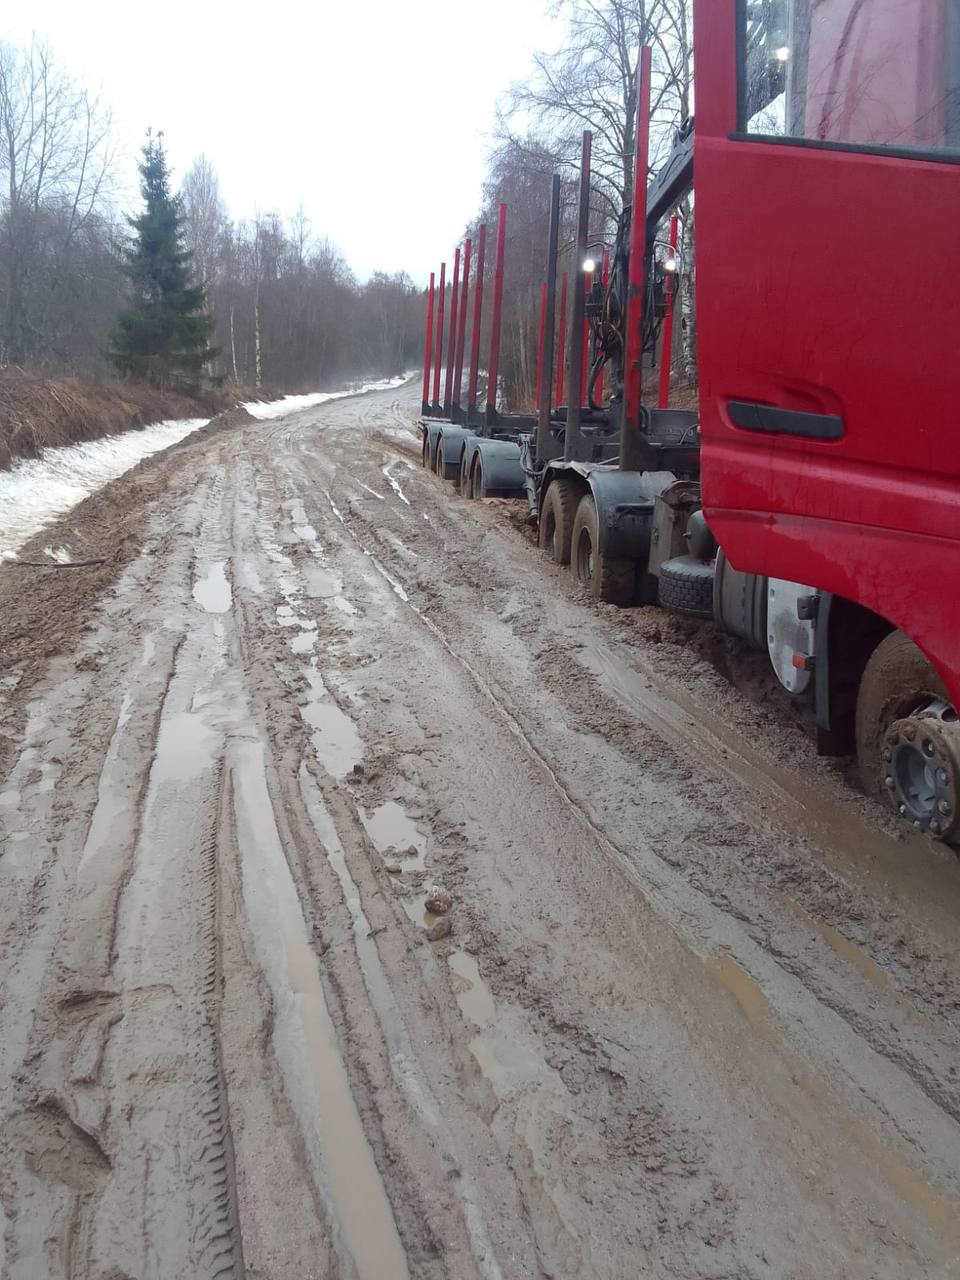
(828, 261)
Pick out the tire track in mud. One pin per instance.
(218, 1244)
(926, 1078)
(929, 1073)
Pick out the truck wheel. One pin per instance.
(478, 488)
(908, 737)
(425, 451)
(556, 520)
(686, 586)
(613, 581)
(466, 479)
(439, 463)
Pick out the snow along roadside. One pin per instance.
(37, 491)
(290, 404)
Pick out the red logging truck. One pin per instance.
(812, 506)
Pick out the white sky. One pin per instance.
(375, 114)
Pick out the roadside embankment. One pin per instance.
(38, 412)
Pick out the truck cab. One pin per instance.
(827, 214)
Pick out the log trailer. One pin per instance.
(812, 505)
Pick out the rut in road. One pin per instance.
(694, 1016)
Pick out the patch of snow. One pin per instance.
(394, 484)
(290, 404)
(35, 492)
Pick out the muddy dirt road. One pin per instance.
(696, 1015)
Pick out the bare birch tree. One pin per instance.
(55, 170)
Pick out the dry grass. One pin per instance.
(36, 412)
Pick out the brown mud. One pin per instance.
(695, 1013)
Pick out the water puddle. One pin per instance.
(186, 747)
(36, 492)
(213, 592)
(473, 994)
(320, 583)
(249, 578)
(286, 616)
(393, 832)
(336, 741)
(305, 1039)
(843, 947)
(304, 642)
(416, 908)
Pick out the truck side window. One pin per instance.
(875, 72)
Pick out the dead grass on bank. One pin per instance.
(38, 412)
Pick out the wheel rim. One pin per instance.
(922, 769)
(585, 556)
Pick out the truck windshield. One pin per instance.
(871, 72)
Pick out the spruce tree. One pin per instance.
(163, 335)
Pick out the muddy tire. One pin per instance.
(438, 467)
(478, 483)
(685, 585)
(896, 681)
(464, 485)
(555, 533)
(425, 450)
(609, 580)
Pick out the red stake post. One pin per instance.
(633, 353)
(493, 365)
(603, 281)
(462, 333)
(561, 337)
(428, 342)
(438, 345)
(666, 343)
(477, 315)
(452, 335)
(585, 365)
(543, 323)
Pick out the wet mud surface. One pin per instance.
(373, 906)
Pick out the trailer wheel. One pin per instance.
(478, 485)
(439, 462)
(685, 586)
(466, 479)
(613, 581)
(555, 533)
(908, 737)
(425, 451)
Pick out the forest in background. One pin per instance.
(288, 312)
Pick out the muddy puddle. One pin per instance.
(305, 1038)
(335, 738)
(213, 592)
(473, 994)
(305, 641)
(394, 833)
(186, 747)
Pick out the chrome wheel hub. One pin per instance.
(921, 758)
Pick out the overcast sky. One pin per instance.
(375, 114)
